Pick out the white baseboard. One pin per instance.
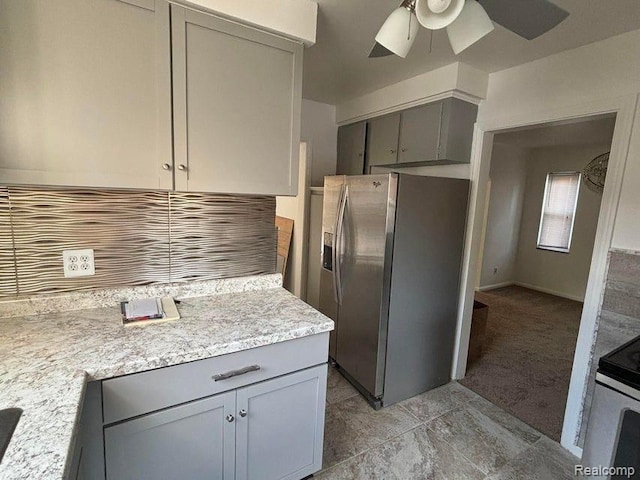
(574, 449)
(550, 292)
(484, 288)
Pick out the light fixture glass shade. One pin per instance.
(472, 24)
(437, 14)
(398, 32)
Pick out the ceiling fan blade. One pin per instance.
(527, 18)
(379, 51)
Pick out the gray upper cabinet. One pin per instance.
(382, 140)
(351, 147)
(85, 93)
(436, 133)
(420, 133)
(456, 135)
(194, 441)
(141, 94)
(236, 100)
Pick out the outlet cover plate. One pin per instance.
(78, 263)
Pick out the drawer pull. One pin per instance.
(235, 373)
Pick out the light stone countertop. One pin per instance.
(46, 359)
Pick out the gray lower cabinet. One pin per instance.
(193, 441)
(87, 461)
(271, 430)
(280, 435)
(351, 147)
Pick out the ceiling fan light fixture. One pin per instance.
(399, 31)
(437, 14)
(472, 24)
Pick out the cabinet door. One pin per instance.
(382, 140)
(88, 459)
(280, 436)
(237, 97)
(420, 133)
(85, 93)
(458, 120)
(351, 140)
(193, 441)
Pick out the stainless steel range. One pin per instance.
(612, 444)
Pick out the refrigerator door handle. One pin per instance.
(334, 250)
(339, 233)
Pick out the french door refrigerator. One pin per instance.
(391, 263)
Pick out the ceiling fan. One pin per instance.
(466, 21)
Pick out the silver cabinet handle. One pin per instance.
(403, 149)
(166, 166)
(182, 167)
(243, 413)
(230, 418)
(392, 151)
(235, 373)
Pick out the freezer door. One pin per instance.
(365, 237)
(333, 190)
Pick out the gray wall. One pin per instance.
(563, 274)
(138, 237)
(508, 180)
(619, 319)
(514, 218)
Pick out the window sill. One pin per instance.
(553, 249)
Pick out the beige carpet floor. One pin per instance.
(527, 355)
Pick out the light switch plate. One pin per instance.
(78, 263)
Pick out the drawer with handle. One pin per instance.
(139, 393)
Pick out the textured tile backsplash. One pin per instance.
(138, 237)
(619, 319)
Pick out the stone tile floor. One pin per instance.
(447, 433)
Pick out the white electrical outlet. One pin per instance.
(78, 263)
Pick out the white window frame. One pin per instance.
(544, 206)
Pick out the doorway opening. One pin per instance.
(540, 220)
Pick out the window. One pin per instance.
(558, 211)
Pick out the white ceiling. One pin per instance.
(595, 131)
(337, 68)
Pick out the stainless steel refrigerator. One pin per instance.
(390, 279)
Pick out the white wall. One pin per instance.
(563, 274)
(292, 18)
(508, 180)
(457, 79)
(595, 78)
(601, 70)
(318, 128)
(296, 208)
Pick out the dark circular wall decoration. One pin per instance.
(594, 174)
